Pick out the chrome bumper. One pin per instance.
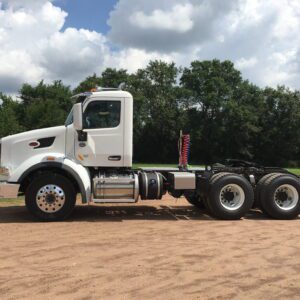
(9, 190)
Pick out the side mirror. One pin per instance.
(77, 116)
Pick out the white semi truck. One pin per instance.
(92, 155)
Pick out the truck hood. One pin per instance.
(34, 134)
(17, 148)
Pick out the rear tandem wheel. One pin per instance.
(230, 196)
(279, 196)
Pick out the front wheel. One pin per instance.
(230, 197)
(50, 197)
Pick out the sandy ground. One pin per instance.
(152, 250)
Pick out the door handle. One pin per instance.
(114, 158)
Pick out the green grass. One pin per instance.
(294, 170)
(19, 201)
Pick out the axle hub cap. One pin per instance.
(286, 197)
(232, 197)
(50, 198)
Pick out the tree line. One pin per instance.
(226, 116)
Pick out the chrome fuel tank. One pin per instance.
(117, 188)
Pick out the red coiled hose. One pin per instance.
(184, 150)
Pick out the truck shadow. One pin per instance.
(119, 213)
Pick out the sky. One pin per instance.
(71, 39)
(89, 14)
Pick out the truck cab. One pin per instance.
(104, 137)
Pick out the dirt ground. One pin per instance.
(152, 250)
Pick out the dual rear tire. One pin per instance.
(229, 196)
(277, 195)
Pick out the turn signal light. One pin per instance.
(50, 158)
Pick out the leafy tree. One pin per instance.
(279, 140)
(221, 108)
(87, 84)
(45, 105)
(157, 114)
(113, 78)
(109, 78)
(8, 118)
(241, 122)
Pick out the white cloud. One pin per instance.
(72, 54)
(260, 36)
(168, 25)
(244, 63)
(178, 19)
(33, 47)
(133, 59)
(22, 3)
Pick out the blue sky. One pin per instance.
(89, 14)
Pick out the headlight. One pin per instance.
(4, 174)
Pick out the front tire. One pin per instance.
(230, 197)
(50, 197)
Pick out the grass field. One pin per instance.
(14, 202)
(295, 171)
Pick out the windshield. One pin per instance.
(69, 119)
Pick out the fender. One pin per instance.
(78, 172)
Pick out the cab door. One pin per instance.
(101, 141)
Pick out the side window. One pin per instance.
(102, 114)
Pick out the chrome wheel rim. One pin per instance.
(286, 197)
(50, 198)
(232, 197)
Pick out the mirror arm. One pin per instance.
(77, 117)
